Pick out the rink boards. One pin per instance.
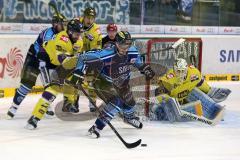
(220, 58)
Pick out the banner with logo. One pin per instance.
(221, 55)
(38, 11)
(13, 50)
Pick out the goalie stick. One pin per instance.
(128, 145)
(173, 46)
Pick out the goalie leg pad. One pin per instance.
(172, 110)
(210, 107)
(219, 94)
(193, 107)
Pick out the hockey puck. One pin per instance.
(143, 145)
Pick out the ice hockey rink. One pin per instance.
(56, 139)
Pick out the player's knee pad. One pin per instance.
(209, 106)
(219, 94)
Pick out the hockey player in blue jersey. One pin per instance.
(31, 69)
(112, 82)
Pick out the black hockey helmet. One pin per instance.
(75, 25)
(58, 18)
(124, 37)
(90, 11)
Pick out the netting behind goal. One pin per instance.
(161, 61)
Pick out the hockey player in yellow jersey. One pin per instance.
(186, 85)
(92, 40)
(67, 43)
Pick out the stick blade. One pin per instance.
(178, 42)
(133, 145)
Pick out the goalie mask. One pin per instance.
(180, 68)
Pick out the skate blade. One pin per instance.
(49, 116)
(29, 127)
(7, 117)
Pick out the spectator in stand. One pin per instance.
(109, 39)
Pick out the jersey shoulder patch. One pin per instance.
(170, 75)
(192, 66)
(194, 77)
(64, 38)
(97, 29)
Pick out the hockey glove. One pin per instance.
(147, 71)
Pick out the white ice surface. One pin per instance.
(66, 140)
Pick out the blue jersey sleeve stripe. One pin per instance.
(133, 52)
(48, 35)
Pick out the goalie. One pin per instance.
(184, 88)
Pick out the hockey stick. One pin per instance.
(177, 43)
(173, 46)
(128, 145)
(54, 7)
(196, 117)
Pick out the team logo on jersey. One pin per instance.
(170, 75)
(194, 77)
(64, 38)
(98, 31)
(123, 69)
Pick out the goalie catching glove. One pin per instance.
(147, 71)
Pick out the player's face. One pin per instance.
(112, 34)
(59, 26)
(74, 36)
(88, 21)
(181, 74)
(123, 47)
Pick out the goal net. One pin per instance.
(160, 62)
